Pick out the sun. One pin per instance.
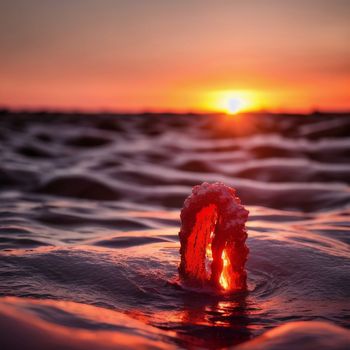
(236, 105)
(233, 102)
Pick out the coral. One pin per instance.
(213, 235)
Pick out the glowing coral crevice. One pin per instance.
(213, 238)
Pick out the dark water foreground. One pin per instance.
(89, 219)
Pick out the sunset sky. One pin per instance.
(193, 55)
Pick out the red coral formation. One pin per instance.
(213, 235)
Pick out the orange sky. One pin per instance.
(175, 55)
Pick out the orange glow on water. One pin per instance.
(16, 313)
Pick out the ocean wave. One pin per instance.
(90, 220)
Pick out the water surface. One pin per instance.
(90, 219)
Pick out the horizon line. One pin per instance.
(146, 111)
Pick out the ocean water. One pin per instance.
(89, 222)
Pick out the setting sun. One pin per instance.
(235, 105)
(233, 101)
